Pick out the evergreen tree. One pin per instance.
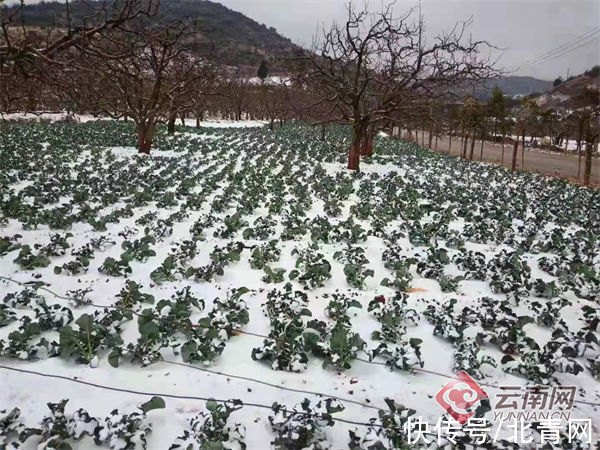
(263, 71)
(497, 108)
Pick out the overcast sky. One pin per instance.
(525, 29)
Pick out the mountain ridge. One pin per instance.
(242, 42)
(238, 40)
(513, 85)
(578, 92)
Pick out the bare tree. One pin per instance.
(204, 93)
(308, 104)
(196, 82)
(591, 131)
(17, 48)
(236, 88)
(470, 115)
(151, 80)
(527, 121)
(35, 65)
(274, 101)
(376, 65)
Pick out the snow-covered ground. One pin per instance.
(47, 117)
(226, 123)
(232, 154)
(83, 118)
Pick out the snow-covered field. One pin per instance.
(83, 118)
(243, 263)
(226, 123)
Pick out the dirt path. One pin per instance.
(553, 164)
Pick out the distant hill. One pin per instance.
(575, 93)
(513, 86)
(239, 41)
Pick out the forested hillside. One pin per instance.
(238, 40)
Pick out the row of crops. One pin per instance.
(112, 260)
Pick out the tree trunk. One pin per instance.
(466, 142)
(271, 123)
(589, 146)
(430, 136)
(450, 142)
(354, 153)
(513, 166)
(579, 149)
(364, 144)
(322, 132)
(580, 154)
(197, 121)
(472, 147)
(523, 153)
(145, 137)
(481, 151)
(367, 142)
(171, 124)
(502, 161)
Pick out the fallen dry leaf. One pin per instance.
(417, 290)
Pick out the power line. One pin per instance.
(557, 50)
(595, 38)
(563, 46)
